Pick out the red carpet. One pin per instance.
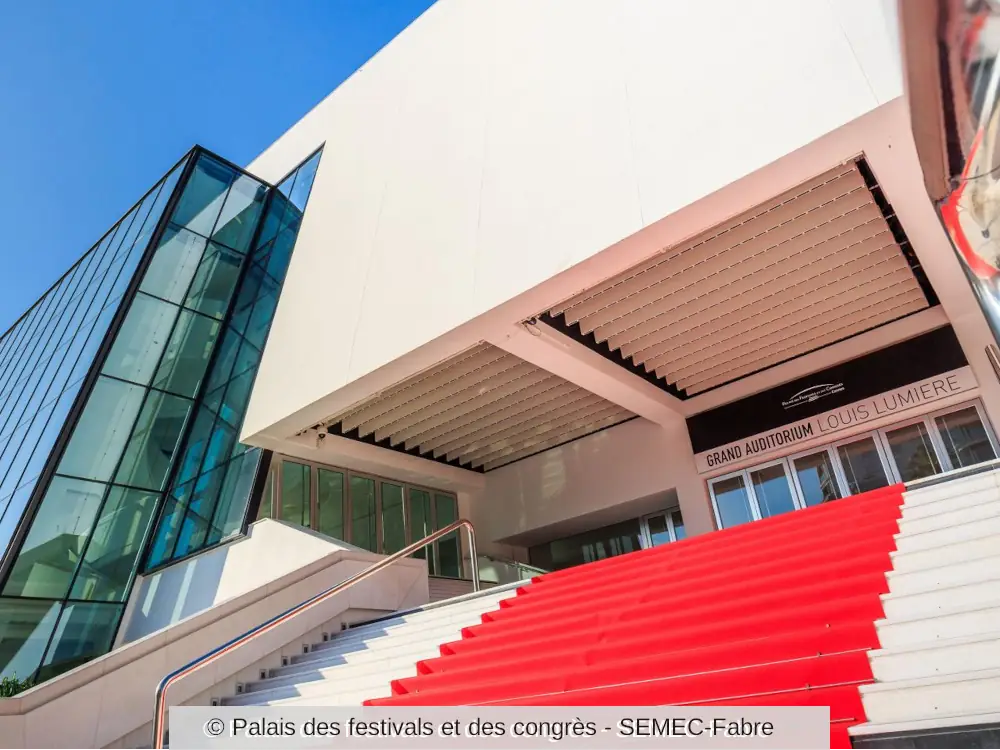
(777, 612)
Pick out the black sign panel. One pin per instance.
(901, 364)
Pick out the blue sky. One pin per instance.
(100, 98)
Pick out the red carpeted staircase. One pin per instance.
(777, 612)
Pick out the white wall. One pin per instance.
(624, 464)
(496, 143)
(270, 550)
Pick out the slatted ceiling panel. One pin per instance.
(790, 302)
(884, 312)
(837, 198)
(457, 425)
(480, 388)
(469, 439)
(668, 254)
(553, 442)
(710, 319)
(746, 291)
(483, 406)
(716, 307)
(750, 340)
(724, 269)
(440, 376)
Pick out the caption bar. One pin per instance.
(792, 727)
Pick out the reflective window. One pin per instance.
(816, 478)
(912, 451)
(202, 201)
(155, 439)
(597, 544)
(295, 493)
(772, 490)
(421, 519)
(185, 359)
(103, 430)
(732, 501)
(174, 265)
(84, 630)
(678, 523)
(141, 341)
(964, 437)
(56, 541)
(449, 557)
(115, 545)
(862, 466)
(363, 512)
(25, 628)
(330, 502)
(240, 213)
(214, 282)
(393, 519)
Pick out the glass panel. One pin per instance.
(236, 225)
(303, 183)
(862, 466)
(198, 519)
(420, 520)
(84, 631)
(597, 544)
(155, 440)
(363, 513)
(203, 196)
(912, 450)
(103, 429)
(174, 265)
(678, 521)
(115, 545)
(48, 558)
(186, 357)
(25, 627)
(659, 532)
(267, 498)
(448, 553)
(393, 530)
(231, 509)
(295, 493)
(816, 478)
(772, 490)
(965, 439)
(733, 501)
(214, 282)
(166, 532)
(141, 340)
(331, 503)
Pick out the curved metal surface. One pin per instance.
(159, 709)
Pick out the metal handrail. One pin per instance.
(159, 709)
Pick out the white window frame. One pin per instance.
(884, 451)
(646, 536)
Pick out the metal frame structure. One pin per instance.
(159, 710)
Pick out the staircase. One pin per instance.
(362, 661)
(939, 662)
(883, 606)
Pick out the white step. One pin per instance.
(945, 574)
(378, 650)
(476, 607)
(355, 698)
(946, 656)
(926, 540)
(935, 492)
(985, 510)
(333, 684)
(946, 554)
(941, 600)
(956, 622)
(925, 725)
(949, 502)
(952, 695)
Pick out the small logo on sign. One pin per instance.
(813, 393)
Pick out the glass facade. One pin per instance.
(379, 515)
(162, 325)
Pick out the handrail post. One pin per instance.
(160, 708)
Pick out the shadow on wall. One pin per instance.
(270, 550)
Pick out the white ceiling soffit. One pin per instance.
(811, 267)
(481, 409)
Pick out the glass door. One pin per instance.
(752, 494)
(772, 490)
(662, 527)
(912, 451)
(862, 465)
(964, 437)
(815, 478)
